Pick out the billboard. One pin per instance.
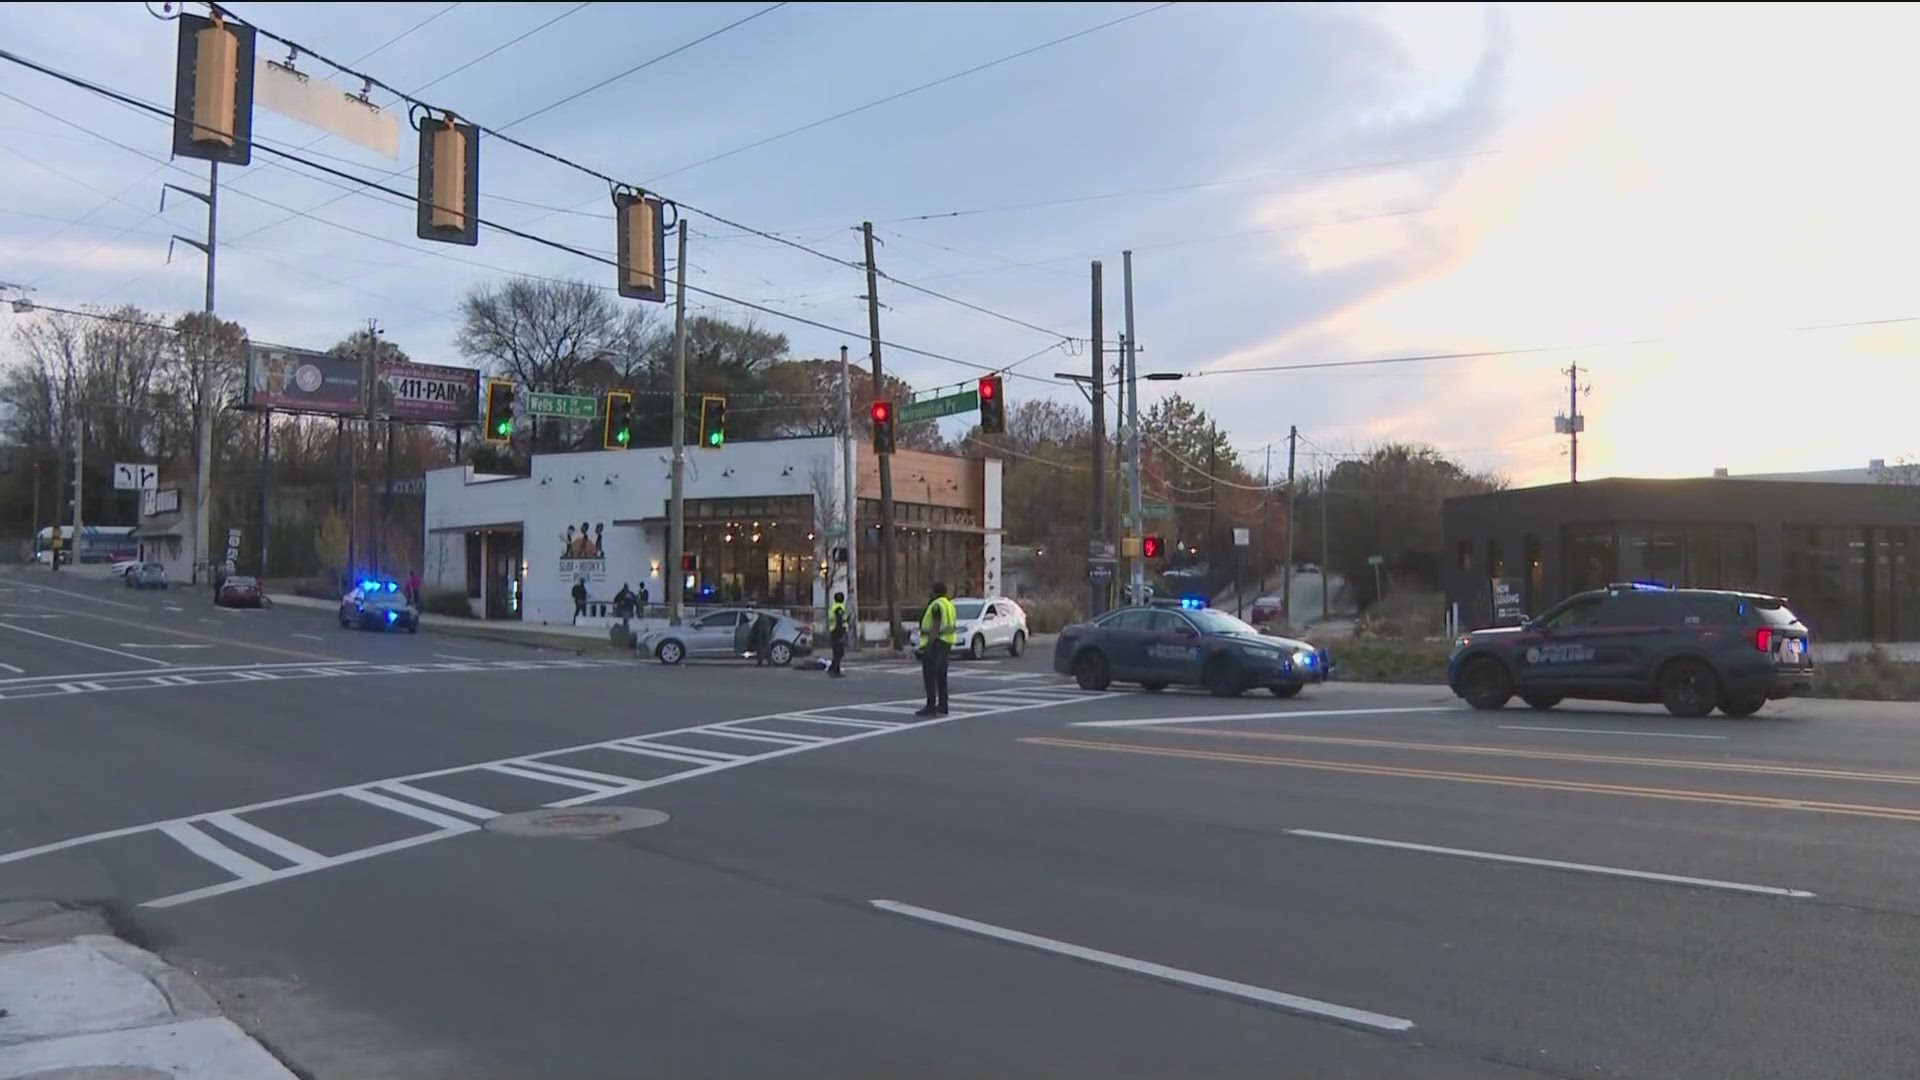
(303, 381)
(428, 393)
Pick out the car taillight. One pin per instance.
(1763, 639)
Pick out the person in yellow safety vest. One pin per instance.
(837, 632)
(939, 625)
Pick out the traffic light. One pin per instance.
(689, 562)
(449, 191)
(1150, 547)
(499, 422)
(641, 249)
(993, 406)
(839, 555)
(882, 413)
(213, 89)
(619, 431)
(713, 421)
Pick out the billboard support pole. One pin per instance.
(266, 486)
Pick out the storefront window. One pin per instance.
(1496, 560)
(1536, 573)
(1653, 553)
(1593, 558)
(1824, 571)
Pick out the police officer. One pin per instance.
(837, 632)
(938, 626)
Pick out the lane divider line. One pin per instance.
(1605, 731)
(1293, 1003)
(1556, 864)
(1292, 714)
(86, 645)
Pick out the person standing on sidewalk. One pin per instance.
(938, 626)
(579, 598)
(837, 632)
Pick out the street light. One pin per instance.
(1164, 376)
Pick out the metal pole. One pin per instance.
(1286, 569)
(340, 481)
(386, 496)
(1097, 593)
(1573, 423)
(888, 587)
(1266, 522)
(676, 497)
(266, 486)
(202, 491)
(1326, 549)
(35, 533)
(1137, 574)
(79, 477)
(850, 496)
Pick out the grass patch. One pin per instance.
(1869, 676)
(1047, 615)
(1377, 660)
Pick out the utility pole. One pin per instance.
(676, 494)
(895, 637)
(340, 480)
(849, 497)
(1326, 549)
(59, 486)
(79, 476)
(203, 415)
(367, 363)
(1286, 569)
(1266, 520)
(266, 486)
(1572, 423)
(1213, 485)
(1136, 575)
(35, 533)
(1097, 591)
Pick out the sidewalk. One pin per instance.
(76, 1001)
(578, 638)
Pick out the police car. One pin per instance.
(1160, 644)
(378, 605)
(1691, 650)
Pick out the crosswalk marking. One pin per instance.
(45, 686)
(406, 797)
(782, 739)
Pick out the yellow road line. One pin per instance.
(1759, 767)
(1723, 798)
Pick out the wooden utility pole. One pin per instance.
(1286, 567)
(888, 585)
(1097, 590)
(1326, 548)
(1572, 423)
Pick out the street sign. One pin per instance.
(1099, 571)
(569, 406)
(135, 476)
(1100, 549)
(1376, 560)
(233, 549)
(964, 401)
(1156, 510)
(1242, 537)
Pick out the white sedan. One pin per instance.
(993, 623)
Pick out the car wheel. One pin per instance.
(1485, 684)
(1739, 708)
(1688, 688)
(977, 648)
(1542, 702)
(1019, 643)
(1291, 689)
(1153, 687)
(413, 627)
(780, 653)
(671, 652)
(1223, 678)
(1090, 671)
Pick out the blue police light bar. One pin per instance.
(370, 585)
(393, 586)
(1192, 603)
(392, 616)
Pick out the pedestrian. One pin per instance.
(760, 639)
(938, 627)
(413, 587)
(579, 597)
(641, 603)
(623, 602)
(837, 632)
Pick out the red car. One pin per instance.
(1265, 609)
(239, 592)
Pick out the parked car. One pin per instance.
(151, 575)
(1166, 643)
(239, 591)
(122, 567)
(721, 634)
(993, 623)
(1265, 609)
(1691, 650)
(378, 605)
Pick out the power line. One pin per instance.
(1030, 50)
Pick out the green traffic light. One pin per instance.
(622, 436)
(716, 438)
(504, 427)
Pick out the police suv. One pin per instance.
(1691, 650)
(1169, 642)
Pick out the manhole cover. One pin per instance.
(577, 823)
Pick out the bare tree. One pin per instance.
(828, 517)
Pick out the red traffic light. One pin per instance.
(989, 386)
(882, 411)
(1150, 547)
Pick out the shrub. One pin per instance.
(1048, 614)
(1404, 616)
(446, 602)
(1364, 660)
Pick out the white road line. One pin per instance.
(447, 824)
(85, 645)
(183, 669)
(519, 769)
(77, 595)
(1555, 864)
(778, 740)
(1605, 731)
(444, 802)
(294, 853)
(694, 751)
(1289, 1002)
(650, 750)
(462, 659)
(880, 725)
(608, 781)
(138, 645)
(1296, 714)
(309, 637)
(214, 851)
(15, 670)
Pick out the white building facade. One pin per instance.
(763, 522)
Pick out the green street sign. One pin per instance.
(964, 401)
(570, 406)
(1156, 510)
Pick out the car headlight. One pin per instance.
(1305, 659)
(1259, 653)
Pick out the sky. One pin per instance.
(1681, 200)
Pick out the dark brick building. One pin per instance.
(1847, 555)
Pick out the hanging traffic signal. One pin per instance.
(713, 421)
(882, 413)
(641, 247)
(993, 406)
(213, 90)
(1150, 547)
(449, 192)
(499, 422)
(619, 431)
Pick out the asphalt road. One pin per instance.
(1360, 882)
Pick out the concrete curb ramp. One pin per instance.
(93, 1005)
